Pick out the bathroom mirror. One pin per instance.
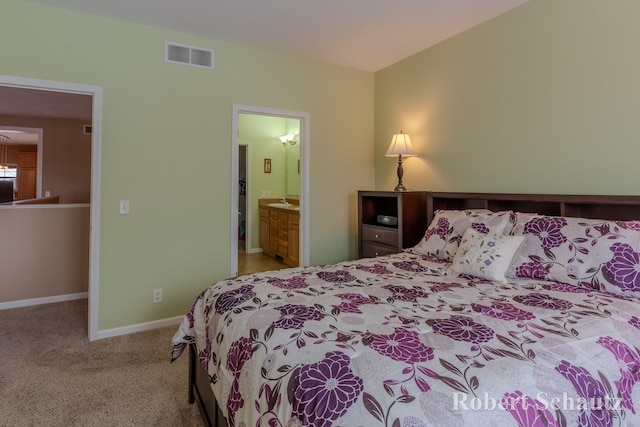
(292, 171)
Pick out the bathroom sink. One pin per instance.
(284, 205)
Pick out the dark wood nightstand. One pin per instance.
(389, 221)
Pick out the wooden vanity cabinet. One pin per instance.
(274, 231)
(294, 239)
(263, 227)
(280, 234)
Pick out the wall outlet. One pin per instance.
(157, 296)
(47, 194)
(123, 208)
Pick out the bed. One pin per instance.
(513, 310)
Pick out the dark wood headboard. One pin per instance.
(583, 206)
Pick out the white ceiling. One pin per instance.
(363, 34)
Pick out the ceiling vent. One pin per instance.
(189, 55)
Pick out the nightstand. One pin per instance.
(389, 221)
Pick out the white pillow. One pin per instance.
(447, 227)
(484, 255)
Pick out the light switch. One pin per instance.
(124, 207)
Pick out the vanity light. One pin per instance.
(288, 139)
(400, 146)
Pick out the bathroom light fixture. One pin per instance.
(288, 139)
(400, 146)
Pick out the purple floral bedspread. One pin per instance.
(399, 341)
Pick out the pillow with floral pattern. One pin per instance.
(596, 254)
(485, 256)
(445, 231)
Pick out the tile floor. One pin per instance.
(256, 262)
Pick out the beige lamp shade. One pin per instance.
(400, 146)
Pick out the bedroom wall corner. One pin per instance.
(541, 99)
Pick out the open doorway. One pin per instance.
(24, 97)
(272, 175)
(250, 257)
(270, 151)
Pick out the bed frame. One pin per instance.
(584, 206)
(201, 393)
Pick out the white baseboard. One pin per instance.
(44, 300)
(139, 327)
(254, 250)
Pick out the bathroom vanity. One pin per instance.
(280, 229)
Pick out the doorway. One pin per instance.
(48, 88)
(302, 120)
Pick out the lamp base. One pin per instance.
(400, 187)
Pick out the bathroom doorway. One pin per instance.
(270, 171)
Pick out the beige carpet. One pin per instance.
(51, 375)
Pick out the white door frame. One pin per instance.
(96, 149)
(305, 148)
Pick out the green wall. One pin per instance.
(544, 98)
(166, 146)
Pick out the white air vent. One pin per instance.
(189, 55)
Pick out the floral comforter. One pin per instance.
(399, 341)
